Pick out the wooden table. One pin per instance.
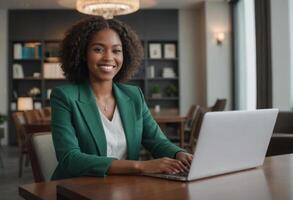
(162, 118)
(166, 117)
(272, 181)
(38, 126)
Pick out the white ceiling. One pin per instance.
(70, 4)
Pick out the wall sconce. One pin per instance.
(24, 103)
(220, 37)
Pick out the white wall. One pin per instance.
(187, 59)
(280, 31)
(218, 57)
(205, 67)
(3, 65)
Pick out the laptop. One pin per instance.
(229, 141)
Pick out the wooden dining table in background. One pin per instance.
(171, 116)
(163, 118)
(38, 126)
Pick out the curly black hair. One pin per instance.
(77, 38)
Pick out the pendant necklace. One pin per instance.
(104, 107)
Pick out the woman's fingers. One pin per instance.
(186, 164)
(177, 165)
(165, 165)
(186, 158)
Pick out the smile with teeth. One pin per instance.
(106, 68)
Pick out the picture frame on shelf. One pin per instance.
(155, 50)
(17, 71)
(169, 50)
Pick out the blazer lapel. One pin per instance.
(90, 112)
(127, 115)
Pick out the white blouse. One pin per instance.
(115, 136)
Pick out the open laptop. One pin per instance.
(229, 141)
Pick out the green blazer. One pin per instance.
(79, 137)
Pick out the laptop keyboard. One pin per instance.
(180, 174)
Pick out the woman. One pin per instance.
(99, 124)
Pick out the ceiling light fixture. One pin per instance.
(107, 8)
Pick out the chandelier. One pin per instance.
(107, 8)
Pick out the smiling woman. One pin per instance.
(104, 55)
(76, 43)
(98, 123)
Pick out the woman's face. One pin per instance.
(104, 55)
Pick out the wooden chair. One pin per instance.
(45, 113)
(32, 116)
(195, 128)
(219, 105)
(19, 122)
(42, 156)
(189, 116)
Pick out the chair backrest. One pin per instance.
(190, 112)
(195, 127)
(219, 105)
(42, 156)
(189, 115)
(32, 116)
(45, 112)
(19, 122)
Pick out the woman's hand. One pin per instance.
(184, 157)
(162, 165)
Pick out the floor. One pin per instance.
(9, 180)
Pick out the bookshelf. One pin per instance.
(34, 71)
(35, 67)
(161, 68)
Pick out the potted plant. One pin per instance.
(156, 91)
(171, 91)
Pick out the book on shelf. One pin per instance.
(32, 50)
(53, 71)
(151, 71)
(168, 72)
(17, 51)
